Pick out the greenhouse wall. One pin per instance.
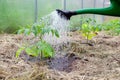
(14, 13)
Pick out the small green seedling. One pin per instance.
(89, 28)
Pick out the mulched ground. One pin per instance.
(74, 60)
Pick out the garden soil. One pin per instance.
(77, 59)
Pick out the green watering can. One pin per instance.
(112, 10)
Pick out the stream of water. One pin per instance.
(56, 22)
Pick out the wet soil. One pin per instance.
(74, 60)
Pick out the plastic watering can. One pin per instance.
(112, 10)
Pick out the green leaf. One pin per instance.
(46, 30)
(56, 33)
(32, 51)
(85, 28)
(52, 31)
(27, 32)
(91, 35)
(46, 49)
(19, 51)
(20, 31)
(34, 30)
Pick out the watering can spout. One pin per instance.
(65, 14)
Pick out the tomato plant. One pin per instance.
(40, 48)
(89, 28)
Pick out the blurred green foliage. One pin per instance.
(88, 25)
(112, 27)
(16, 13)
